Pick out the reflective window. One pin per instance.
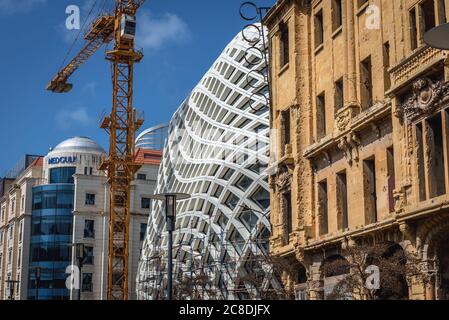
(244, 183)
(262, 198)
(145, 203)
(62, 175)
(87, 282)
(88, 255)
(143, 230)
(90, 199)
(89, 229)
(232, 201)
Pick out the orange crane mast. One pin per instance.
(121, 125)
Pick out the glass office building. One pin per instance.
(51, 234)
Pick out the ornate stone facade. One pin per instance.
(368, 158)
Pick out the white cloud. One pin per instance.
(18, 6)
(154, 33)
(67, 118)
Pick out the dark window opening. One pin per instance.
(286, 138)
(342, 201)
(387, 62)
(89, 229)
(319, 29)
(90, 199)
(284, 44)
(321, 116)
(391, 178)
(337, 16)
(428, 14)
(442, 11)
(420, 160)
(288, 214)
(145, 203)
(413, 29)
(436, 159)
(323, 208)
(370, 192)
(338, 96)
(366, 78)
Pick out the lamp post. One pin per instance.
(170, 218)
(438, 37)
(79, 256)
(37, 276)
(11, 284)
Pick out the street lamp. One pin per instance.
(170, 217)
(37, 276)
(438, 37)
(11, 284)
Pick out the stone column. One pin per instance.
(315, 282)
(351, 83)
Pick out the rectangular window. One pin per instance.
(413, 29)
(285, 130)
(284, 44)
(370, 191)
(442, 11)
(143, 231)
(366, 79)
(437, 183)
(90, 199)
(288, 213)
(19, 258)
(338, 95)
(88, 255)
(20, 231)
(420, 160)
(85, 171)
(91, 171)
(22, 203)
(337, 16)
(391, 178)
(321, 116)
(87, 282)
(323, 216)
(387, 62)
(145, 203)
(342, 201)
(89, 229)
(141, 176)
(319, 29)
(428, 15)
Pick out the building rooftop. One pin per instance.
(147, 156)
(79, 144)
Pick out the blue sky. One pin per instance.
(181, 39)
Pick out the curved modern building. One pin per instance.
(153, 138)
(217, 151)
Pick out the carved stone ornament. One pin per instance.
(400, 200)
(423, 99)
(343, 119)
(283, 180)
(350, 146)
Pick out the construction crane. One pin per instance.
(121, 125)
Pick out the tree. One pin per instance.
(393, 264)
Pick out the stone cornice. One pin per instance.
(358, 123)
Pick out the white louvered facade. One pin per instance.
(217, 151)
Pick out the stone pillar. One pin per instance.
(315, 282)
(351, 83)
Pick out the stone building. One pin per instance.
(361, 108)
